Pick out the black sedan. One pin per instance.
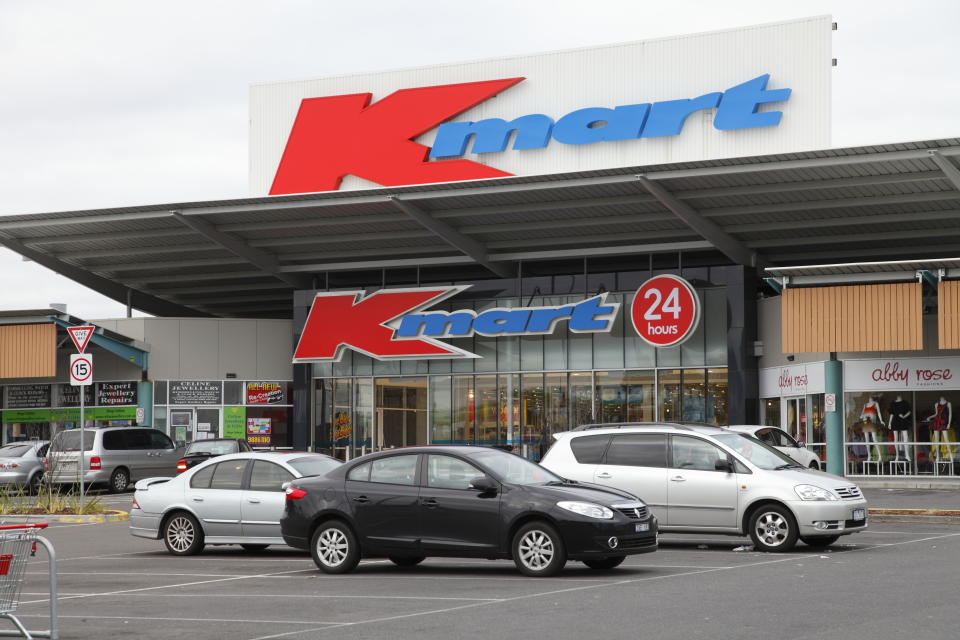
(408, 504)
(200, 450)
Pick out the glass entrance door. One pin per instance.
(181, 425)
(796, 417)
(401, 411)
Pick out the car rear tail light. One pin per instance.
(95, 463)
(46, 464)
(135, 504)
(181, 465)
(295, 493)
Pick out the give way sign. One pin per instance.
(81, 336)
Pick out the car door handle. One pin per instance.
(604, 476)
(196, 499)
(678, 479)
(361, 499)
(429, 503)
(254, 501)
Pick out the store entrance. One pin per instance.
(795, 418)
(401, 412)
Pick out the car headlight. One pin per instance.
(811, 492)
(587, 509)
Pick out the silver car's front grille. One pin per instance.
(633, 510)
(849, 493)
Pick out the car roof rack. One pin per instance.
(652, 425)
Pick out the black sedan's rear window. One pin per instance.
(313, 465)
(589, 449)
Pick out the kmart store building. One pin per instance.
(454, 254)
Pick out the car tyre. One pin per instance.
(773, 528)
(334, 548)
(605, 564)
(538, 550)
(182, 535)
(407, 561)
(33, 485)
(254, 547)
(119, 480)
(819, 542)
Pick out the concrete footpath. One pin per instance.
(917, 505)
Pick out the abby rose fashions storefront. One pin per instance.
(899, 416)
(898, 413)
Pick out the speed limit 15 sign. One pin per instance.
(81, 369)
(666, 310)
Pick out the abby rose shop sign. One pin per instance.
(908, 374)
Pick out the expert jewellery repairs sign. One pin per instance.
(397, 324)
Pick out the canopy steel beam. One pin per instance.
(708, 230)
(460, 242)
(858, 239)
(950, 170)
(113, 290)
(257, 257)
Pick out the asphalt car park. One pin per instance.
(893, 580)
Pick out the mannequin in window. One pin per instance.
(901, 424)
(871, 420)
(940, 422)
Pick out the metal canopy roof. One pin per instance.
(245, 257)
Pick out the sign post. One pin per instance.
(81, 375)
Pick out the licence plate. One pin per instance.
(643, 527)
(859, 514)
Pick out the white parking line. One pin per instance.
(261, 596)
(178, 619)
(582, 588)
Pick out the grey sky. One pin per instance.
(123, 102)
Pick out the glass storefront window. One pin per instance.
(533, 412)
(937, 424)
(441, 415)
(771, 412)
(509, 409)
(464, 409)
(581, 399)
(485, 401)
(363, 415)
(608, 347)
(694, 395)
(625, 396)
(555, 385)
(717, 397)
(669, 395)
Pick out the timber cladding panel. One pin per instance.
(875, 317)
(948, 314)
(28, 351)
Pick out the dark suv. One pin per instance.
(200, 450)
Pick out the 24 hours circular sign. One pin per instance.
(665, 311)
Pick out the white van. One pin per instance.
(713, 480)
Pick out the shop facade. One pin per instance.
(522, 389)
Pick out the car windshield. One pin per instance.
(758, 453)
(211, 447)
(70, 440)
(514, 469)
(14, 450)
(313, 465)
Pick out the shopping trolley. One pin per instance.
(18, 542)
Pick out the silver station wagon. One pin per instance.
(713, 480)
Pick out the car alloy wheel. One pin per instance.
(773, 528)
(538, 550)
(335, 548)
(119, 481)
(182, 535)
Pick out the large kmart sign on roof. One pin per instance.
(734, 93)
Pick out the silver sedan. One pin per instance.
(21, 464)
(231, 499)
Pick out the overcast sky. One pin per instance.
(123, 102)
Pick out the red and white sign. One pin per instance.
(666, 310)
(793, 380)
(81, 336)
(81, 369)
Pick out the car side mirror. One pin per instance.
(801, 444)
(723, 465)
(483, 484)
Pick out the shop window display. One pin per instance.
(938, 423)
